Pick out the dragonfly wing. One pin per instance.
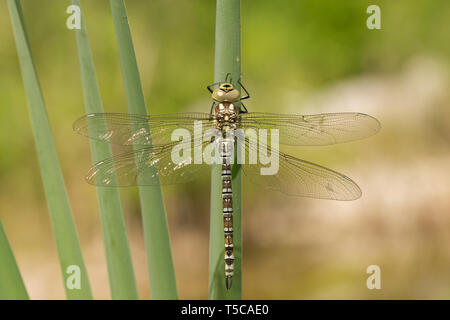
(302, 178)
(313, 130)
(146, 166)
(133, 129)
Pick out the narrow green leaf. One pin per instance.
(120, 267)
(227, 60)
(11, 283)
(64, 229)
(157, 242)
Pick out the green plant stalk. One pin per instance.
(227, 60)
(159, 257)
(122, 280)
(11, 283)
(64, 229)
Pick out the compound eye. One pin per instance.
(221, 107)
(231, 107)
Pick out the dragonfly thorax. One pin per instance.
(225, 114)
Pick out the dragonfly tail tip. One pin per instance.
(228, 282)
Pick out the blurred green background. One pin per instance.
(305, 56)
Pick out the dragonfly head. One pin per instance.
(226, 92)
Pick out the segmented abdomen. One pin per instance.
(227, 146)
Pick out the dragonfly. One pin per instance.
(150, 162)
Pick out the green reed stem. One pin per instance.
(159, 257)
(64, 229)
(120, 267)
(11, 283)
(227, 60)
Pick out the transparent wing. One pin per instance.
(301, 178)
(313, 130)
(154, 166)
(133, 129)
(146, 166)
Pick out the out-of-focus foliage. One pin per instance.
(297, 56)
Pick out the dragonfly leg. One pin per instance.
(226, 77)
(243, 108)
(209, 87)
(247, 94)
(211, 112)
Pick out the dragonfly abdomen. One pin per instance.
(226, 147)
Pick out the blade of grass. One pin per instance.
(11, 283)
(156, 233)
(120, 267)
(64, 229)
(227, 60)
